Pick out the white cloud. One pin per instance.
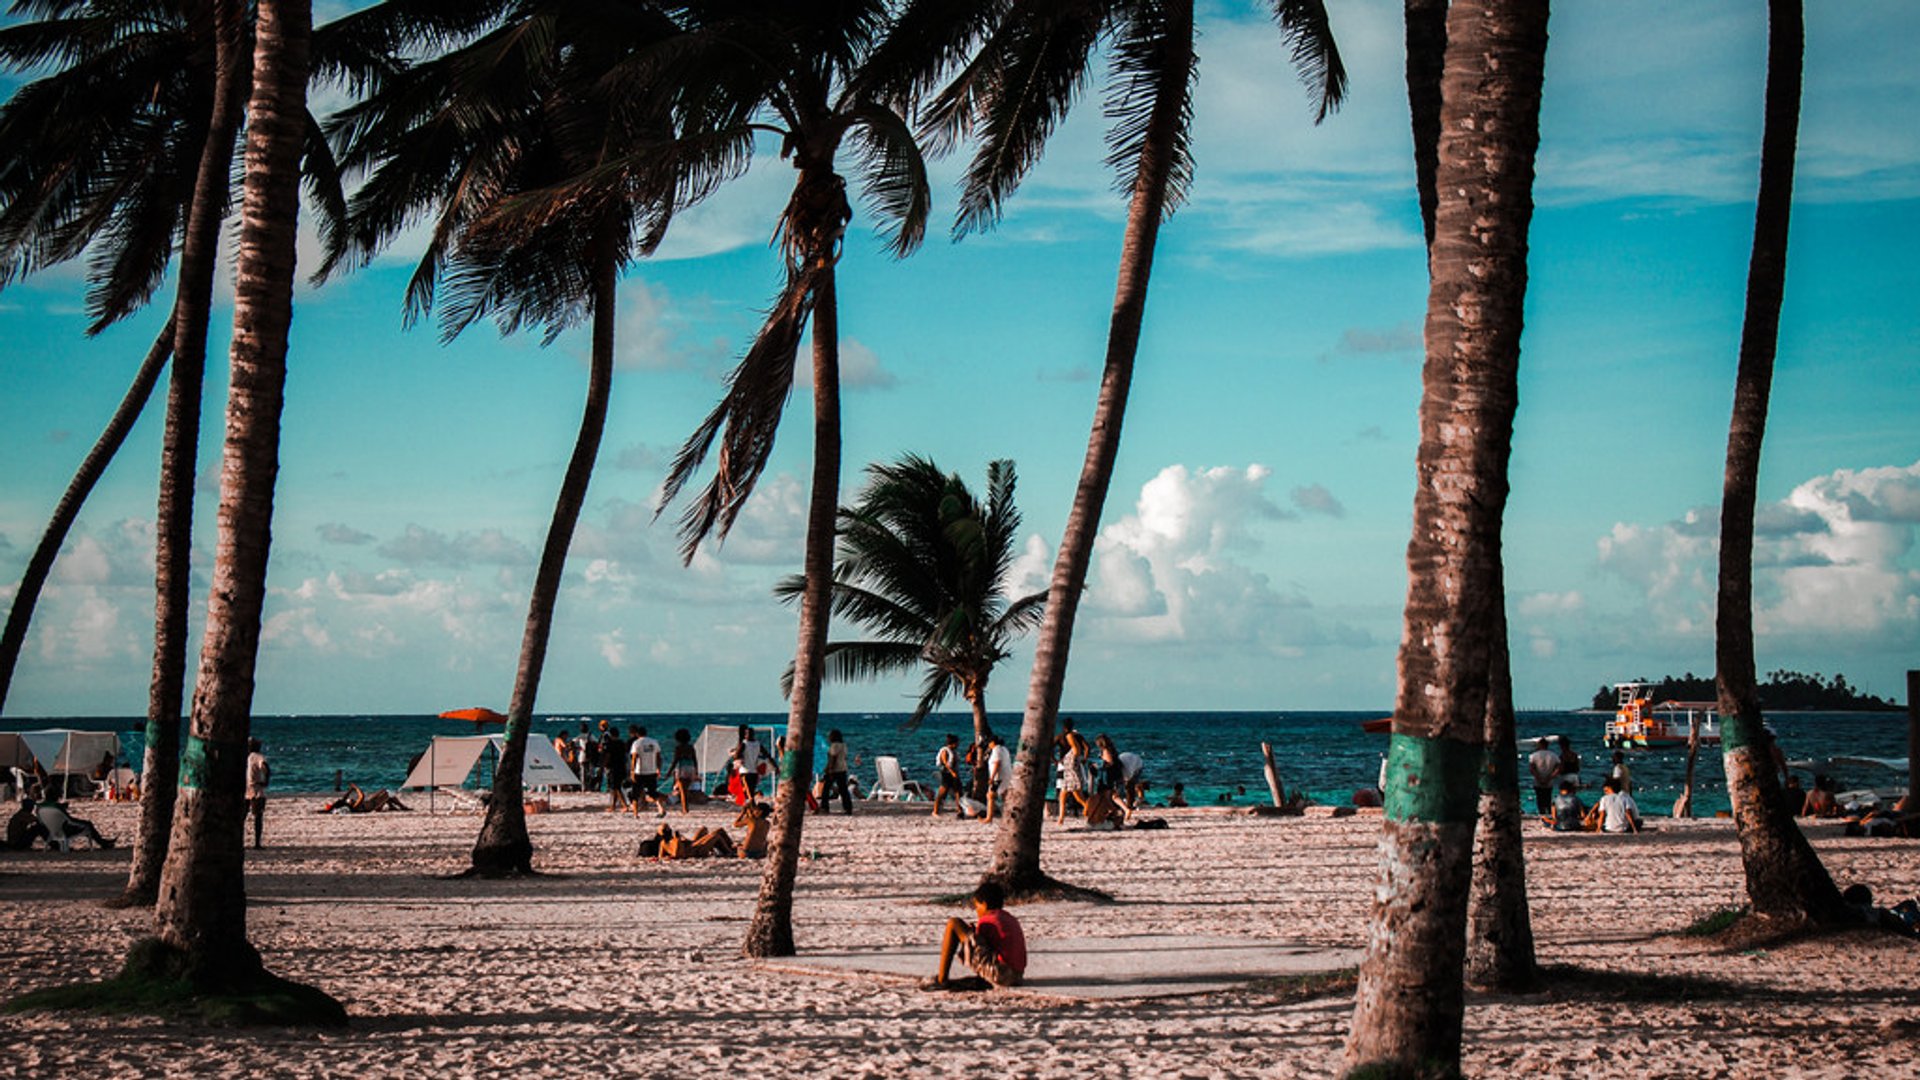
(420, 546)
(860, 368)
(1833, 561)
(1316, 499)
(613, 648)
(1548, 604)
(1170, 573)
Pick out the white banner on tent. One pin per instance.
(449, 761)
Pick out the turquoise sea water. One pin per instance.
(1214, 754)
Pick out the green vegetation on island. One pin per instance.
(1783, 691)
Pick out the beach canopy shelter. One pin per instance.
(60, 751)
(449, 761)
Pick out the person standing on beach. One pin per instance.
(643, 762)
(1072, 748)
(999, 773)
(614, 751)
(834, 776)
(746, 763)
(258, 773)
(947, 764)
(1621, 776)
(686, 767)
(1543, 765)
(589, 761)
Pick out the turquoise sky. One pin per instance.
(1252, 552)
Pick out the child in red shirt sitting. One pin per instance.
(994, 947)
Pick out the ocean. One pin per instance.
(1216, 755)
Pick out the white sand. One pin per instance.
(618, 965)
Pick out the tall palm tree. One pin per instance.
(201, 915)
(814, 76)
(506, 138)
(1409, 1005)
(1785, 877)
(1010, 97)
(1499, 926)
(923, 565)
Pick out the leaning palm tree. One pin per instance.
(1785, 878)
(505, 138)
(815, 76)
(120, 153)
(1010, 97)
(1409, 1005)
(923, 565)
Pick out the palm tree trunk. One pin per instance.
(1409, 1004)
(202, 913)
(977, 701)
(771, 931)
(1015, 863)
(503, 847)
(1499, 925)
(20, 615)
(1784, 876)
(179, 455)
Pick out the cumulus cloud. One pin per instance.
(613, 648)
(771, 529)
(1545, 604)
(420, 546)
(1833, 560)
(1171, 571)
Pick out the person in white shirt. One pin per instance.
(643, 764)
(1617, 810)
(999, 773)
(834, 777)
(947, 763)
(258, 773)
(746, 761)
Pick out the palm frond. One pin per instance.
(894, 177)
(1011, 98)
(1315, 54)
(749, 413)
(1152, 66)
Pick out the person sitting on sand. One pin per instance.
(61, 826)
(1820, 801)
(753, 818)
(1796, 796)
(1616, 810)
(1179, 797)
(24, 827)
(356, 801)
(993, 946)
(1568, 813)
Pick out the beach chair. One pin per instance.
(891, 784)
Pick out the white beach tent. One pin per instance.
(713, 749)
(449, 761)
(60, 751)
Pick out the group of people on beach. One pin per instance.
(1554, 767)
(633, 769)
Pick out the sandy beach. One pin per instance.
(620, 965)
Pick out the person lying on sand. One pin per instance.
(667, 844)
(356, 801)
(994, 946)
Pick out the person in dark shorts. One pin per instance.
(947, 763)
(993, 946)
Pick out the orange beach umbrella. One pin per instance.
(476, 714)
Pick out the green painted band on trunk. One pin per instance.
(1737, 733)
(201, 758)
(1432, 780)
(789, 765)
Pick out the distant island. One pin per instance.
(1783, 691)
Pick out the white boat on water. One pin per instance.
(1639, 722)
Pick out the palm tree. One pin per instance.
(813, 75)
(1784, 876)
(201, 915)
(1408, 1007)
(119, 153)
(1011, 96)
(1499, 926)
(923, 565)
(507, 137)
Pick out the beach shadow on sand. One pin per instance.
(1124, 967)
